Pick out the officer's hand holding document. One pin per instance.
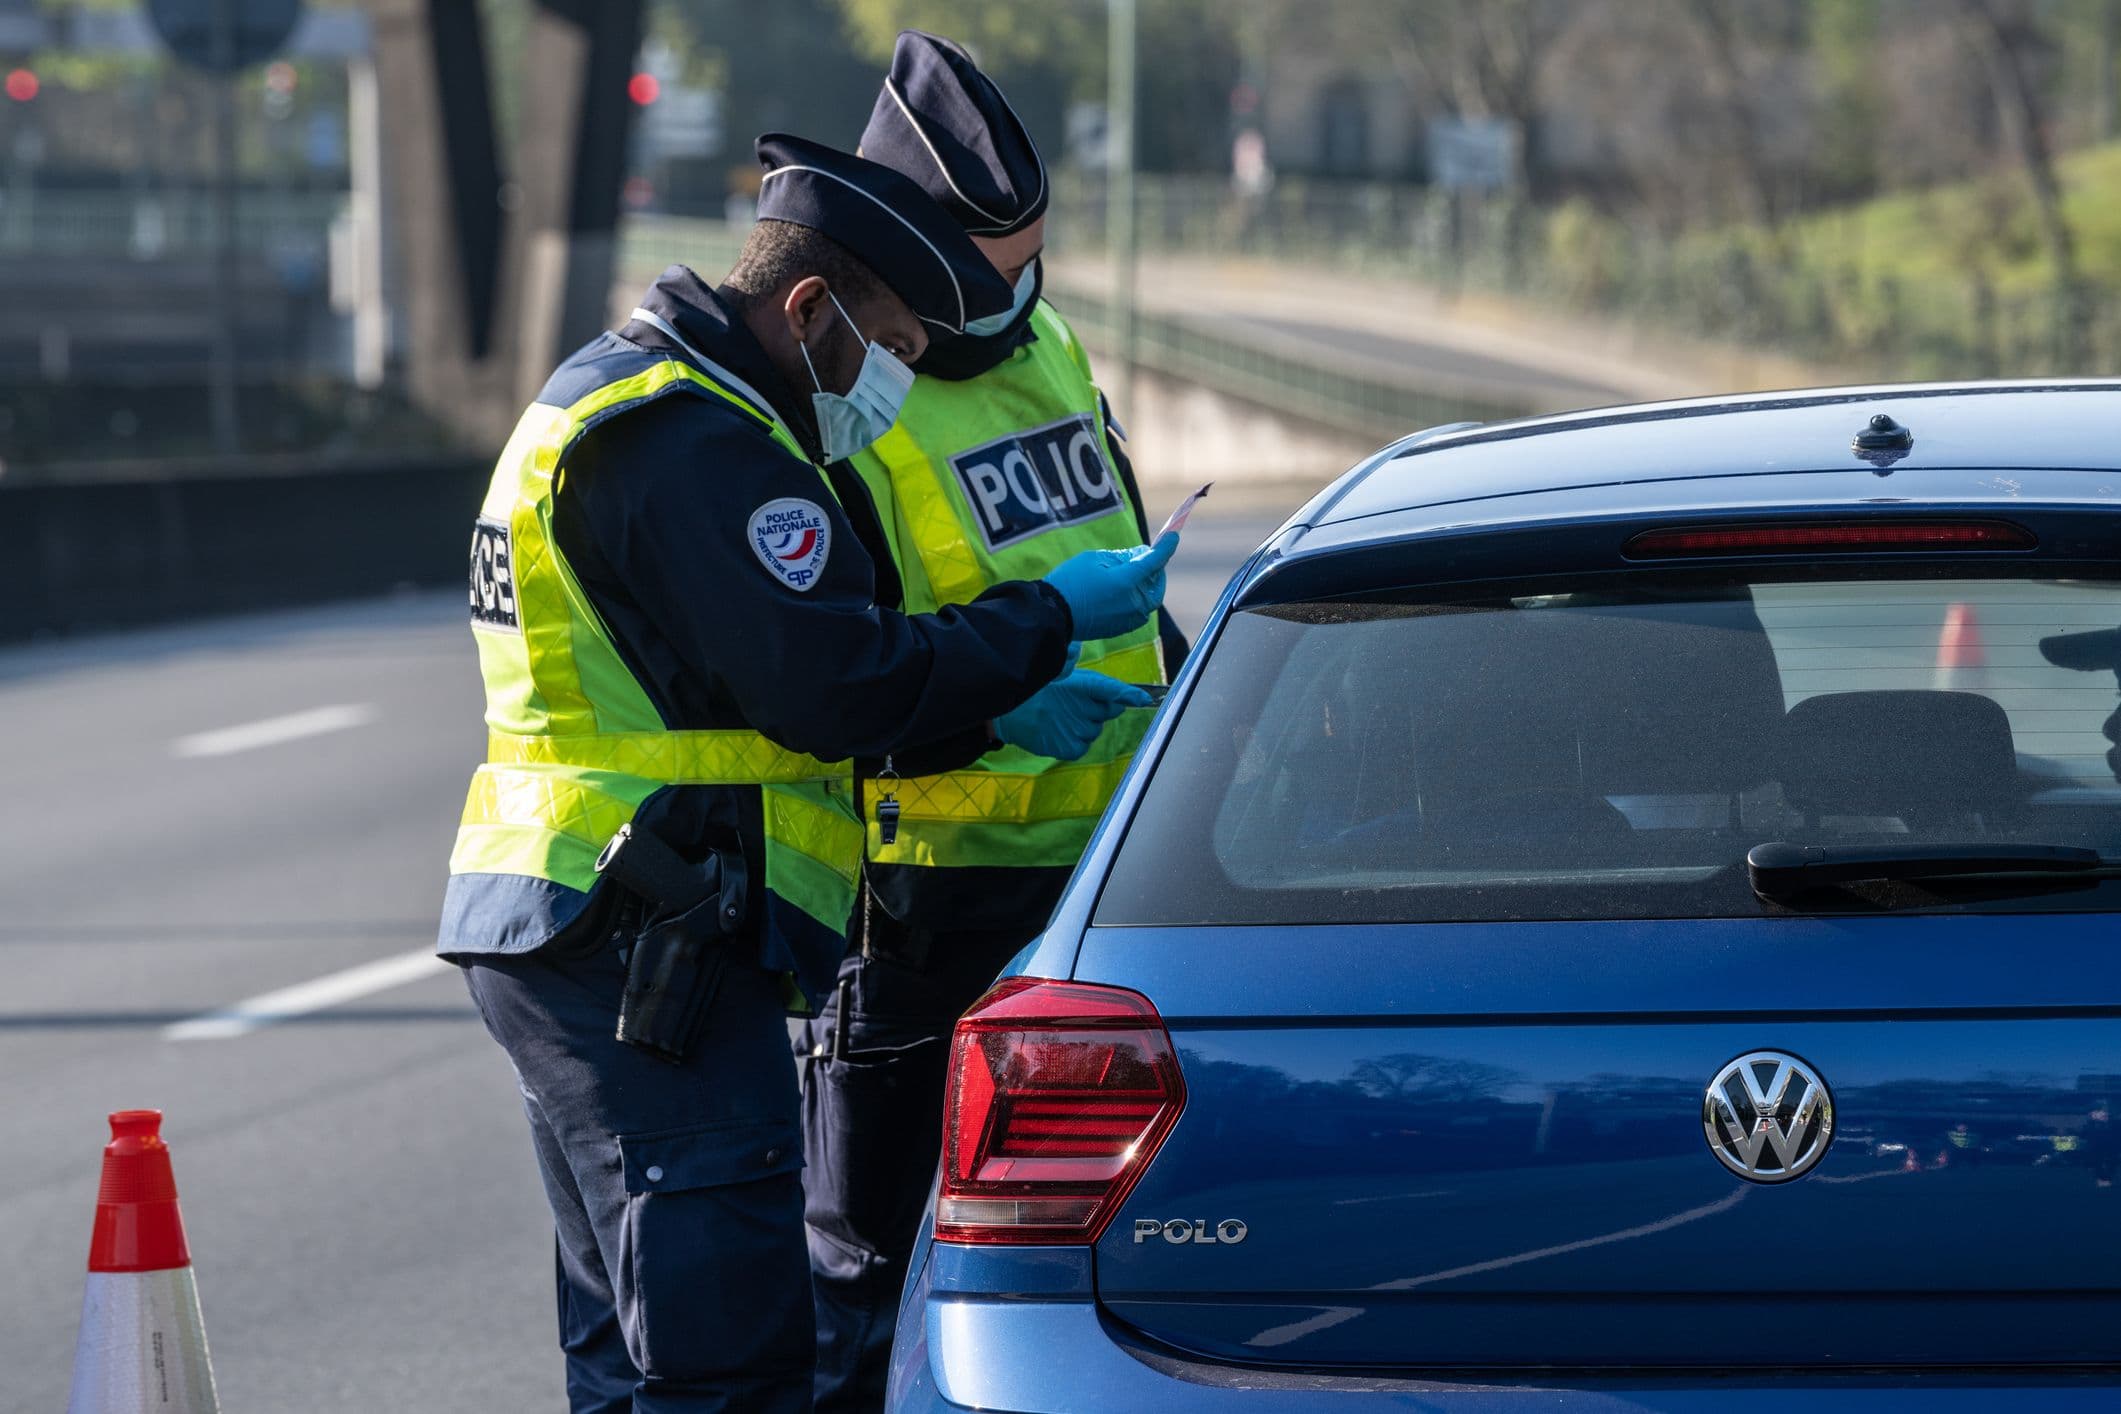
(1155, 692)
(1111, 592)
(1064, 717)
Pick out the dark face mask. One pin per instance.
(959, 357)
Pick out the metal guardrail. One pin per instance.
(1800, 292)
(1256, 373)
(156, 542)
(1213, 358)
(162, 225)
(648, 245)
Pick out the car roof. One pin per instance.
(1970, 440)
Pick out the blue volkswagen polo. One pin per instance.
(1618, 913)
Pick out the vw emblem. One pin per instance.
(1768, 1117)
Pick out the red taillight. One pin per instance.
(1840, 535)
(1059, 1094)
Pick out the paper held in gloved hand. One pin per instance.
(1178, 517)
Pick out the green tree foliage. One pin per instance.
(1844, 50)
(1050, 53)
(68, 69)
(1066, 35)
(1191, 60)
(787, 66)
(2089, 34)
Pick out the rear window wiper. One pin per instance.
(1780, 869)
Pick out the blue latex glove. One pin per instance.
(1113, 591)
(1064, 717)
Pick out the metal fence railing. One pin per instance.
(1374, 408)
(1211, 357)
(1800, 291)
(163, 224)
(648, 245)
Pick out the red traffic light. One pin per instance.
(22, 85)
(644, 89)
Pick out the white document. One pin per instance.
(1178, 517)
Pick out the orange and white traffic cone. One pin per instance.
(142, 1348)
(1961, 655)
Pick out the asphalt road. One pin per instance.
(201, 816)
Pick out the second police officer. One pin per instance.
(681, 650)
(1004, 463)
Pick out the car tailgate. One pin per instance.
(1483, 1144)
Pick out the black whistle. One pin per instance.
(887, 819)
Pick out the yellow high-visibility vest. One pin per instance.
(984, 480)
(575, 745)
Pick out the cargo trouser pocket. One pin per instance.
(712, 1264)
(872, 1124)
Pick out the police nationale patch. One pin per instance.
(493, 578)
(791, 537)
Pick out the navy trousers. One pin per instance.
(675, 1190)
(873, 1129)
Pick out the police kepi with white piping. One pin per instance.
(886, 222)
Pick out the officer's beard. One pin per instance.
(961, 356)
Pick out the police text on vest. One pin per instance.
(1033, 480)
(493, 581)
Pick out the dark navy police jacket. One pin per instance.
(653, 513)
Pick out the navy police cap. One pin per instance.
(944, 123)
(886, 222)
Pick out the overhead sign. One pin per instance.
(331, 33)
(682, 122)
(21, 27)
(256, 30)
(1473, 154)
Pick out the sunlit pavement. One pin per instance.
(259, 811)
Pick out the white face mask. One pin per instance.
(1026, 286)
(848, 422)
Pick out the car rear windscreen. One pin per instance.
(1615, 753)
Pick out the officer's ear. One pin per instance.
(805, 306)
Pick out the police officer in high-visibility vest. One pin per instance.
(1004, 462)
(676, 624)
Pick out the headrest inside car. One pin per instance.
(1913, 755)
(1611, 699)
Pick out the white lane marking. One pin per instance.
(305, 997)
(226, 741)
